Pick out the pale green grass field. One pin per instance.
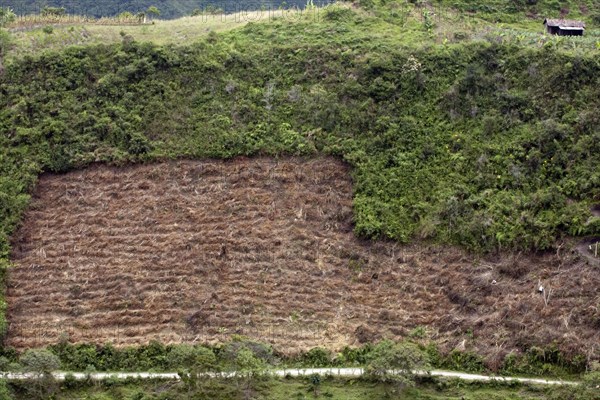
(28, 41)
(405, 28)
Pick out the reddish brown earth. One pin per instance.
(194, 251)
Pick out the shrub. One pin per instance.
(42, 362)
(191, 357)
(464, 361)
(316, 358)
(396, 363)
(5, 392)
(6, 16)
(138, 144)
(337, 13)
(592, 380)
(53, 11)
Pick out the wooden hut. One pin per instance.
(564, 27)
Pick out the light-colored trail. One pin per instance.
(342, 372)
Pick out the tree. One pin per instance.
(186, 356)
(42, 363)
(248, 368)
(153, 11)
(53, 11)
(193, 363)
(6, 16)
(396, 363)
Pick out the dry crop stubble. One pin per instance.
(194, 251)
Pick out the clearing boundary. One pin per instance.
(195, 251)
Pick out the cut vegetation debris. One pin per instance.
(193, 251)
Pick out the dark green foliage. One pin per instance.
(54, 11)
(189, 357)
(156, 356)
(257, 357)
(463, 361)
(317, 358)
(5, 392)
(395, 363)
(80, 357)
(40, 361)
(543, 362)
(336, 13)
(354, 356)
(486, 147)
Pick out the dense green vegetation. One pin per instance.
(252, 360)
(546, 362)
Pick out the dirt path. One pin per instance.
(343, 372)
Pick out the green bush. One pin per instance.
(396, 363)
(463, 361)
(6, 16)
(5, 392)
(191, 357)
(317, 358)
(40, 361)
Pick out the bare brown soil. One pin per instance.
(194, 251)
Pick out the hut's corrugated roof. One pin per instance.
(565, 23)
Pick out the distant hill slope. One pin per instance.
(515, 6)
(168, 8)
(177, 8)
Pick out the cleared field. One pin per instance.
(193, 251)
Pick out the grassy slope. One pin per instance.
(328, 389)
(404, 24)
(162, 32)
